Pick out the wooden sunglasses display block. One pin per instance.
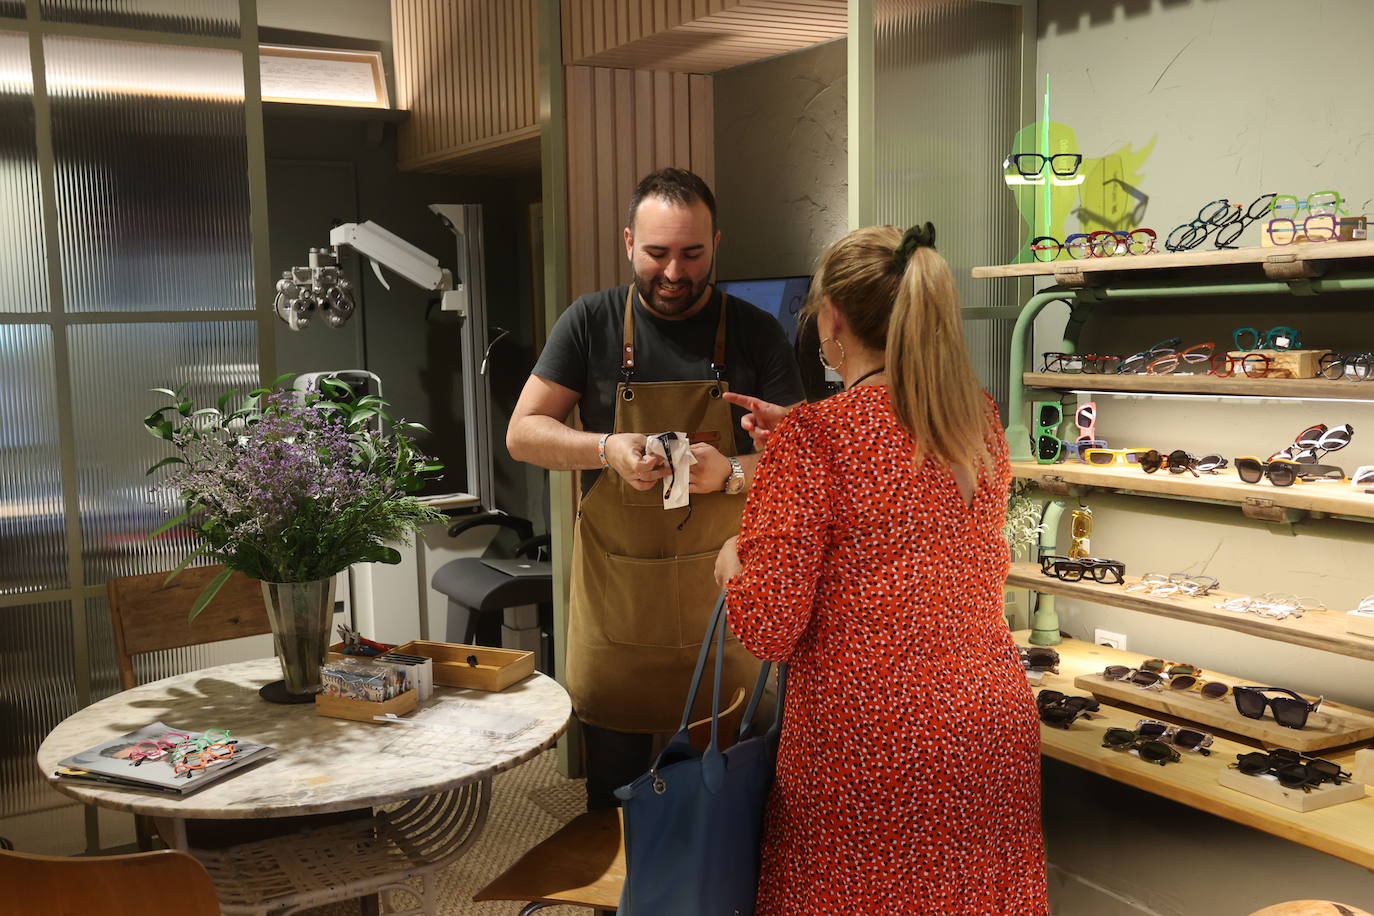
(1271, 790)
(476, 667)
(1359, 623)
(1331, 725)
(1288, 363)
(364, 710)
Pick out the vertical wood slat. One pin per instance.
(623, 124)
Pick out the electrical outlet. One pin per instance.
(1108, 638)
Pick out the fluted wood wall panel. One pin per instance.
(623, 124)
(694, 36)
(466, 71)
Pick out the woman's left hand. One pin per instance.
(727, 562)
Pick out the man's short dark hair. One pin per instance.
(677, 186)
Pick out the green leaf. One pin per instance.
(167, 391)
(225, 398)
(380, 554)
(158, 427)
(258, 392)
(169, 524)
(164, 462)
(277, 383)
(206, 411)
(185, 408)
(208, 594)
(358, 416)
(199, 551)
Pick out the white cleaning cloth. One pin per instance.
(678, 450)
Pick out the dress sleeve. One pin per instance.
(783, 539)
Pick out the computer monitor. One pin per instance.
(781, 297)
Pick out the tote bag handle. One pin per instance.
(713, 761)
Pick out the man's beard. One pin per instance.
(648, 293)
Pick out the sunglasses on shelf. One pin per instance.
(1293, 770)
(1282, 472)
(1107, 244)
(1252, 365)
(1190, 739)
(1048, 248)
(1149, 749)
(1354, 367)
(1137, 362)
(1193, 357)
(1280, 338)
(1176, 461)
(1290, 711)
(1060, 709)
(1136, 676)
(1105, 457)
(1319, 227)
(1076, 569)
(1076, 449)
(1039, 658)
(1085, 363)
(1210, 690)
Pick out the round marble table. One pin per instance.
(432, 786)
(323, 764)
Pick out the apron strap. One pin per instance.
(627, 340)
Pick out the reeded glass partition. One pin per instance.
(40, 691)
(33, 544)
(947, 95)
(114, 451)
(152, 176)
(219, 18)
(23, 278)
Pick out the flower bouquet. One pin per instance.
(291, 488)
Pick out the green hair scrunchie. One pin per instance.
(919, 236)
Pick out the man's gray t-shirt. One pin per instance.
(583, 353)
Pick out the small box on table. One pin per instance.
(476, 667)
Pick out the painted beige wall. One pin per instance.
(780, 162)
(1234, 115)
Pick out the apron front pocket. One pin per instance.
(664, 603)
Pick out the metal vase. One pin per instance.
(301, 614)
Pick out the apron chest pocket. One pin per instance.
(664, 603)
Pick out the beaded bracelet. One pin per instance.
(601, 450)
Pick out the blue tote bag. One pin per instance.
(694, 821)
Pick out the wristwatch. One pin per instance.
(734, 484)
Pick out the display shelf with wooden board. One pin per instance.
(1257, 499)
(1281, 263)
(1312, 388)
(1344, 830)
(1330, 725)
(1325, 630)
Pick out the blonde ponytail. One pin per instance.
(898, 295)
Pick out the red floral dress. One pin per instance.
(908, 778)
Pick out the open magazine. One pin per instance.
(159, 758)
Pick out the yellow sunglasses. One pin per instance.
(1103, 457)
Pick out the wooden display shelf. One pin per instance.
(1325, 630)
(1262, 500)
(1204, 385)
(1289, 261)
(1331, 725)
(1345, 831)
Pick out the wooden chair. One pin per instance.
(583, 864)
(149, 616)
(162, 883)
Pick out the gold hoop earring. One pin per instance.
(821, 349)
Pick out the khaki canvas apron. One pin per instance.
(643, 578)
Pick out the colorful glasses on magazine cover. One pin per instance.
(156, 748)
(188, 764)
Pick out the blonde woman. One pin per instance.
(871, 559)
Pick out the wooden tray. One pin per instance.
(1293, 799)
(496, 669)
(1332, 725)
(363, 710)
